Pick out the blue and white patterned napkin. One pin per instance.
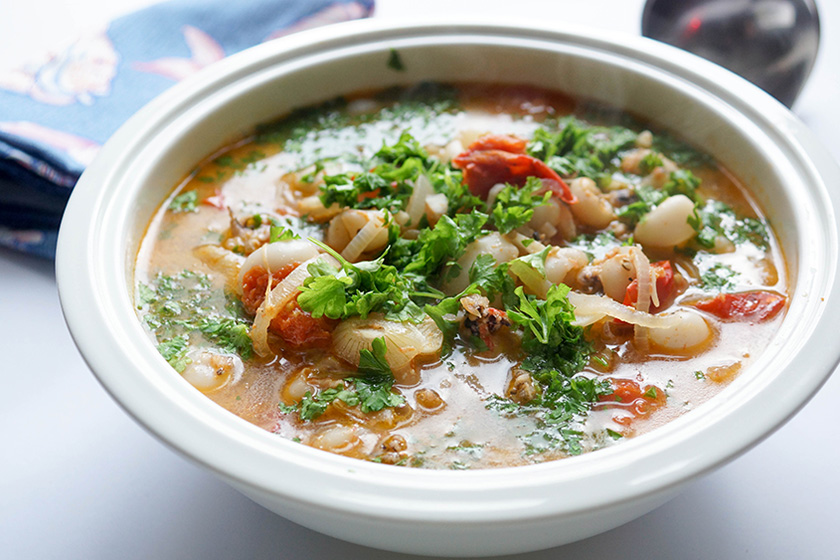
(55, 114)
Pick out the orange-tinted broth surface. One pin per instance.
(447, 419)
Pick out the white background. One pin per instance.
(79, 479)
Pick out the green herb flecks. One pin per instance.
(184, 202)
(184, 304)
(579, 149)
(716, 218)
(371, 392)
(679, 182)
(596, 246)
(556, 352)
(719, 277)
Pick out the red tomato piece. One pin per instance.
(501, 159)
(255, 282)
(664, 286)
(630, 397)
(294, 325)
(299, 328)
(749, 306)
(216, 201)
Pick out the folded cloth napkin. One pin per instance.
(55, 115)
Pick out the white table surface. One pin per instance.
(79, 479)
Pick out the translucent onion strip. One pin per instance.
(277, 299)
(592, 308)
(642, 266)
(416, 206)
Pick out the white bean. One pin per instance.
(592, 208)
(210, 370)
(667, 224)
(561, 262)
(296, 389)
(691, 332)
(615, 272)
(336, 439)
(553, 218)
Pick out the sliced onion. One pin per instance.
(362, 240)
(403, 341)
(416, 206)
(274, 256)
(642, 266)
(277, 299)
(591, 308)
(223, 261)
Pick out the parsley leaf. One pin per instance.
(394, 61)
(372, 362)
(578, 148)
(174, 351)
(371, 392)
(514, 206)
(717, 218)
(376, 395)
(281, 233)
(231, 335)
(442, 244)
(360, 289)
(185, 303)
(549, 338)
(490, 277)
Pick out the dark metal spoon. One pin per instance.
(772, 43)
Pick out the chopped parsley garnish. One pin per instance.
(719, 277)
(716, 218)
(185, 303)
(650, 162)
(438, 246)
(184, 202)
(598, 245)
(174, 351)
(359, 289)
(371, 392)
(579, 149)
(679, 182)
(514, 206)
(281, 233)
(556, 352)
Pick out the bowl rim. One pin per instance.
(91, 289)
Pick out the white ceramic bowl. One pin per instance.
(441, 512)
